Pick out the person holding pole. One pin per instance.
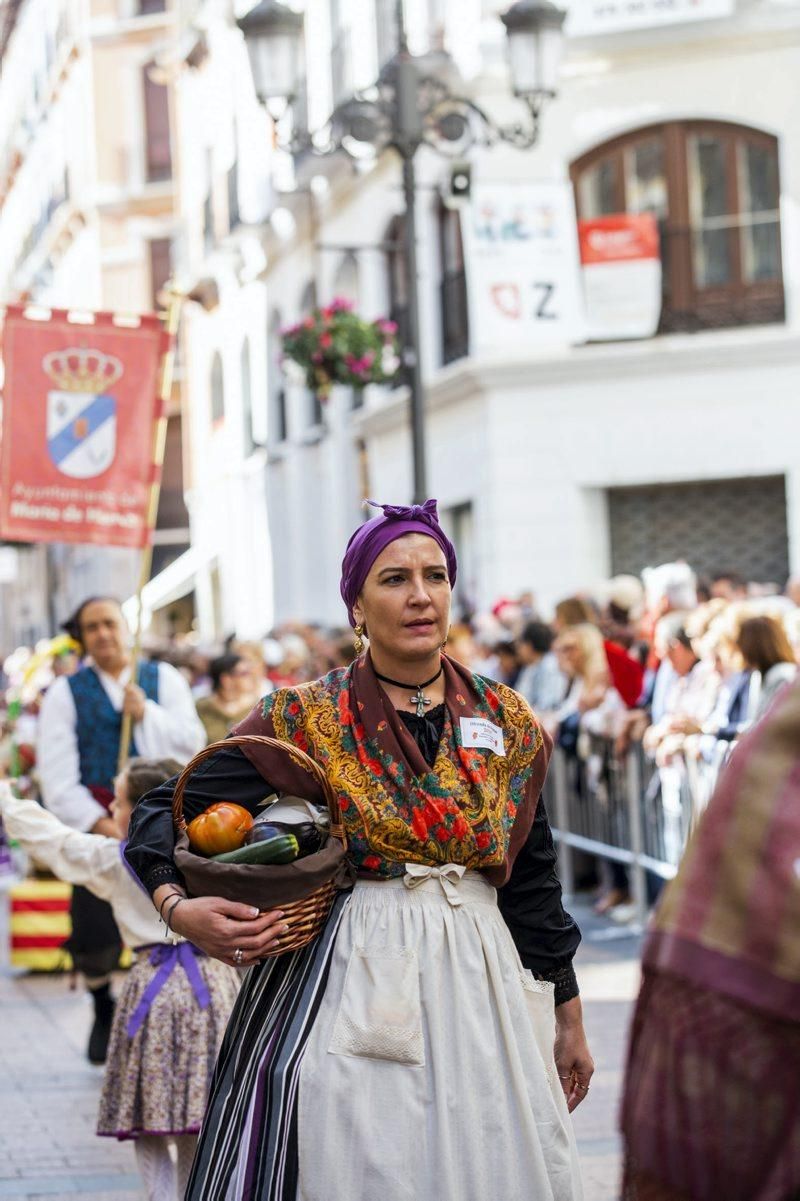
(78, 752)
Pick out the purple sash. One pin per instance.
(165, 956)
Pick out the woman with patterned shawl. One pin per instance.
(428, 1044)
(712, 1100)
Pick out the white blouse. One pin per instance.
(88, 859)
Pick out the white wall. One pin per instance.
(530, 441)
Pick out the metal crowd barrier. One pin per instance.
(622, 809)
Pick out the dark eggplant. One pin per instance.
(309, 838)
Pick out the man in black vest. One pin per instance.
(78, 746)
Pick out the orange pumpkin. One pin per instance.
(222, 827)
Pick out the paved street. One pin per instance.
(48, 1092)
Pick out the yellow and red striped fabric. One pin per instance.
(40, 925)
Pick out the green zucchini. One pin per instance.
(281, 849)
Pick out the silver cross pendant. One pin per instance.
(420, 700)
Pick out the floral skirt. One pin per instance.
(157, 1082)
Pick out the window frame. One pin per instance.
(688, 306)
(454, 317)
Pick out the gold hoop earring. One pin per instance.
(358, 639)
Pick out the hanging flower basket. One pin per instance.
(333, 345)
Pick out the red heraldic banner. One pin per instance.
(80, 401)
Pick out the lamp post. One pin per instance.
(410, 107)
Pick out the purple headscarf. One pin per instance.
(375, 535)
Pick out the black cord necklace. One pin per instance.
(419, 698)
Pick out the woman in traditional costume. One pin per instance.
(428, 1044)
(712, 1097)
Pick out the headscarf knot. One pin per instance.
(427, 513)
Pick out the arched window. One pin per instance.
(453, 287)
(278, 423)
(247, 399)
(217, 390)
(397, 282)
(715, 191)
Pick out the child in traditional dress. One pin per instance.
(175, 1002)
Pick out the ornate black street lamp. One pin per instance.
(409, 107)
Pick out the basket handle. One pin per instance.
(300, 757)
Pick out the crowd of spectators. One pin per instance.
(679, 664)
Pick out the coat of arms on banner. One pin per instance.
(81, 412)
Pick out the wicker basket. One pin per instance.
(304, 890)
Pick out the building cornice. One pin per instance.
(679, 354)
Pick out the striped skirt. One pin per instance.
(404, 1056)
(248, 1143)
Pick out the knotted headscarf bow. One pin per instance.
(375, 535)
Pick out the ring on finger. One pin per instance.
(238, 956)
(583, 1087)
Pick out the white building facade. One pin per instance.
(87, 218)
(557, 460)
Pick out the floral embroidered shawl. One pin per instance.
(473, 807)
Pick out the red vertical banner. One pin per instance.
(80, 402)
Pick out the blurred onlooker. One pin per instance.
(729, 586)
(627, 674)
(592, 706)
(508, 663)
(573, 611)
(692, 692)
(229, 700)
(669, 588)
(592, 702)
(256, 683)
(461, 645)
(766, 649)
(294, 668)
(540, 680)
(623, 611)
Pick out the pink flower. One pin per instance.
(340, 305)
(387, 327)
(326, 340)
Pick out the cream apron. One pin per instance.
(429, 1074)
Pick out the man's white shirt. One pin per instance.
(169, 729)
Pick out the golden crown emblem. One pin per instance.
(82, 370)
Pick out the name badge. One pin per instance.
(477, 732)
